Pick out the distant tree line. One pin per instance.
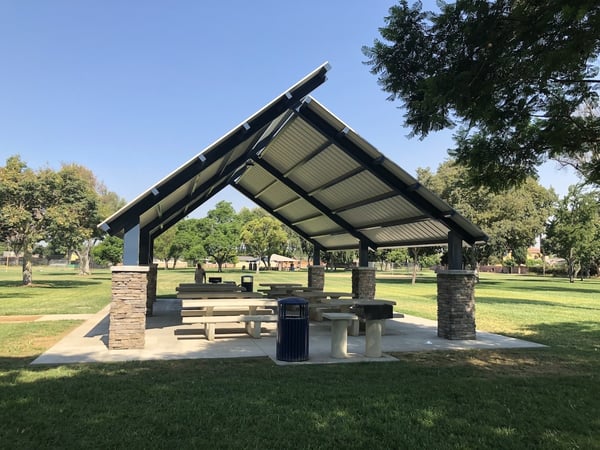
(56, 213)
(515, 219)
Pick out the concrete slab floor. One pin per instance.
(167, 338)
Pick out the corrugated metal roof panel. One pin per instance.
(338, 241)
(381, 212)
(415, 232)
(320, 226)
(357, 188)
(292, 145)
(310, 174)
(310, 170)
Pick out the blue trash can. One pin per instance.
(292, 329)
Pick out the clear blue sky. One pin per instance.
(132, 89)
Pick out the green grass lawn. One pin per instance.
(534, 398)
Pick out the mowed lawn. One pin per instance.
(535, 398)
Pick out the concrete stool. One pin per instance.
(339, 332)
(373, 329)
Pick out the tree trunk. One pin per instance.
(84, 257)
(27, 268)
(571, 270)
(84, 264)
(415, 253)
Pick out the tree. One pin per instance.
(574, 232)
(109, 250)
(189, 233)
(26, 196)
(61, 208)
(512, 219)
(164, 246)
(520, 77)
(262, 237)
(221, 233)
(74, 213)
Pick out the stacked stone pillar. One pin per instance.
(130, 294)
(316, 277)
(456, 304)
(363, 282)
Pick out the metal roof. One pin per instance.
(310, 170)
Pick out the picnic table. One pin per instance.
(246, 310)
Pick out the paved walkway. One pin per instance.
(167, 338)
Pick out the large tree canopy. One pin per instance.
(574, 231)
(520, 77)
(512, 219)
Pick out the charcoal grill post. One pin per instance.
(373, 338)
(374, 313)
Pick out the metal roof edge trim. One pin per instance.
(322, 69)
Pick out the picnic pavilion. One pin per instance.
(310, 170)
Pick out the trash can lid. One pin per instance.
(292, 301)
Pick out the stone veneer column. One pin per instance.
(316, 277)
(363, 282)
(128, 307)
(456, 304)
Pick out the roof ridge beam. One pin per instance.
(291, 99)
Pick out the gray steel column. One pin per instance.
(363, 254)
(316, 255)
(131, 246)
(144, 255)
(455, 253)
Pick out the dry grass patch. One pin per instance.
(18, 319)
(494, 363)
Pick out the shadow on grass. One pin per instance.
(571, 336)
(529, 302)
(406, 281)
(134, 404)
(592, 290)
(52, 284)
